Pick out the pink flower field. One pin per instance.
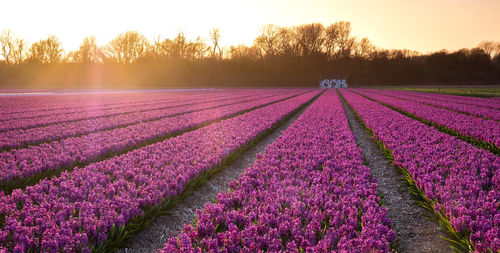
(92, 171)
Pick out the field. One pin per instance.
(487, 91)
(178, 171)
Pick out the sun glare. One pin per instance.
(249, 126)
(426, 26)
(237, 20)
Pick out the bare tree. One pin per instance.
(155, 49)
(198, 49)
(488, 47)
(46, 51)
(491, 48)
(127, 47)
(170, 47)
(53, 49)
(13, 49)
(19, 52)
(180, 47)
(242, 52)
(309, 39)
(331, 40)
(215, 38)
(88, 52)
(7, 45)
(267, 40)
(338, 40)
(363, 48)
(161, 49)
(401, 54)
(37, 52)
(285, 41)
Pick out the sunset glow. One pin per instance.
(422, 25)
(249, 126)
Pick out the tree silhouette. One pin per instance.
(88, 52)
(289, 56)
(364, 48)
(126, 47)
(491, 48)
(286, 42)
(198, 49)
(309, 39)
(13, 49)
(7, 46)
(215, 37)
(46, 51)
(266, 42)
(19, 52)
(244, 53)
(338, 40)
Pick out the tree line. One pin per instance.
(279, 56)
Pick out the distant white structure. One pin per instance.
(333, 83)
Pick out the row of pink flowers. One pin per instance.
(493, 103)
(461, 180)
(22, 106)
(25, 162)
(476, 110)
(85, 113)
(76, 210)
(309, 192)
(21, 137)
(481, 129)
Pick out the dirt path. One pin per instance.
(157, 233)
(415, 233)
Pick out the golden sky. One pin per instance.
(422, 25)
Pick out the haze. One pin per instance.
(424, 26)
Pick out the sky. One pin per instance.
(422, 25)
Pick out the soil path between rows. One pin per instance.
(158, 232)
(415, 232)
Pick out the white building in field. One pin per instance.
(333, 83)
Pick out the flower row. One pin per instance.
(25, 105)
(309, 192)
(76, 210)
(493, 103)
(23, 137)
(86, 113)
(481, 129)
(462, 181)
(17, 164)
(480, 111)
